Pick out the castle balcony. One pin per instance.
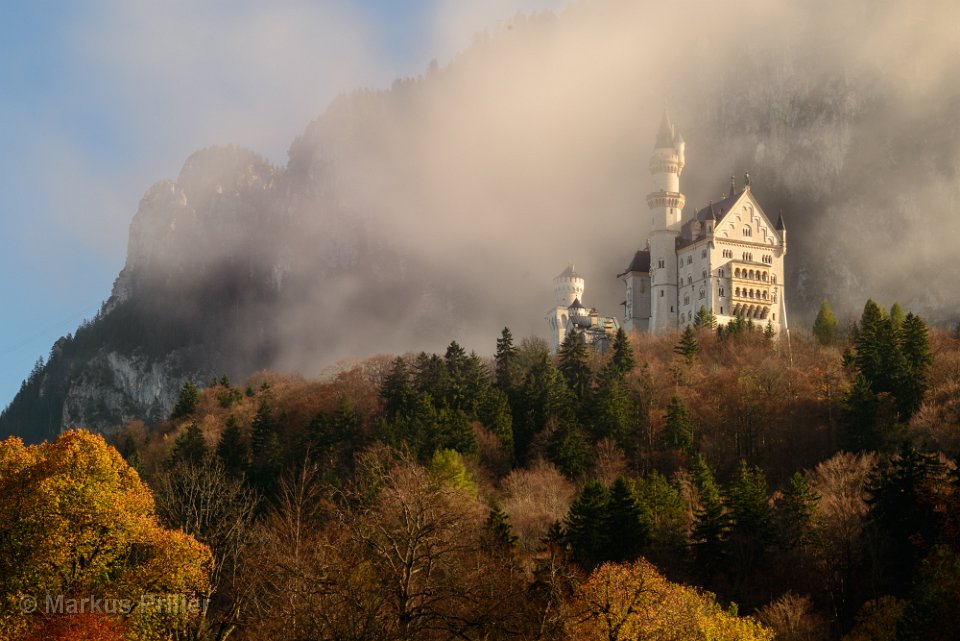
(666, 199)
(751, 309)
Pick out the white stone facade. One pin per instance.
(726, 258)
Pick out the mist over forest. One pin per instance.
(443, 206)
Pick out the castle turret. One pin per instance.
(568, 288)
(666, 204)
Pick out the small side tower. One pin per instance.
(666, 204)
(568, 289)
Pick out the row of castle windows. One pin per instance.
(749, 293)
(750, 274)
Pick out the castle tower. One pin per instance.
(666, 203)
(568, 289)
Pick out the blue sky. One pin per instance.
(102, 98)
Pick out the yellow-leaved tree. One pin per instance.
(80, 542)
(633, 601)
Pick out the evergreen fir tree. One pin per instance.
(232, 449)
(825, 326)
(750, 531)
(190, 446)
(499, 530)
(509, 373)
(711, 521)
(573, 364)
(868, 357)
(688, 347)
(455, 360)
(704, 319)
(187, 401)
(611, 410)
(912, 383)
(430, 376)
(266, 448)
(797, 514)
(586, 529)
(902, 507)
(544, 397)
(622, 360)
(496, 416)
(396, 392)
(629, 522)
(678, 431)
(896, 317)
(567, 449)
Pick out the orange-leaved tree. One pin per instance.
(621, 601)
(79, 536)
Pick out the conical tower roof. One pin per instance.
(665, 135)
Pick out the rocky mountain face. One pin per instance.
(441, 208)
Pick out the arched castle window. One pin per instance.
(751, 274)
(764, 295)
(736, 292)
(701, 294)
(736, 272)
(774, 279)
(721, 292)
(689, 280)
(747, 231)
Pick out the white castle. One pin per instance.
(726, 258)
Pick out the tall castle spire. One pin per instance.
(666, 204)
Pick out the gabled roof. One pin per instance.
(713, 211)
(640, 263)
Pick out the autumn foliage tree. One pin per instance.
(75, 520)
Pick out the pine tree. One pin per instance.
(187, 401)
(868, 357)
(611, 410)
(190, 446)
(455, 359)
(495, 415)
(622, 361)
(688, 347)
(797, 515)
(586, 528)
(509, 373)
(711, 521)
(825, 326)
(499, 530)
(573, 364)
(704, 319)
(629, 522)
(912, 384)
(678, 431)
(900, 504)
(567, 449)
(896, 317)
(266, 448)
(232, 449)
(396, 392)
(544, 397)
(750, 518)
